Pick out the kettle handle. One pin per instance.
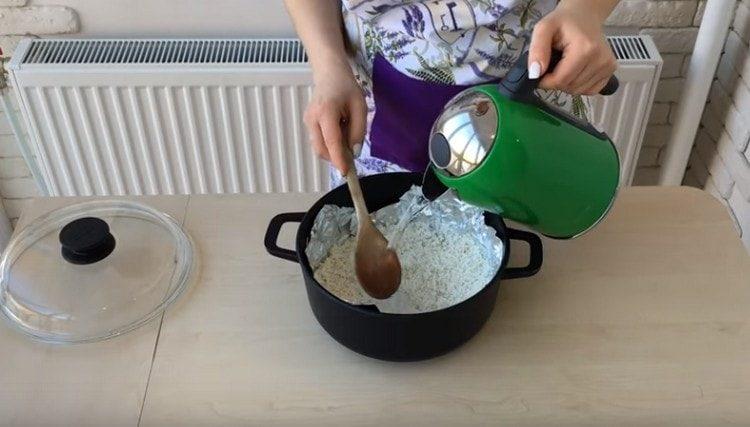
(517, 86)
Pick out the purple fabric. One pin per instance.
(405, 109)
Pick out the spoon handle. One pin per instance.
(363, 216)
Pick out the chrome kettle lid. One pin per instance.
(464, 133)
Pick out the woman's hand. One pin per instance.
(575, 28)
(337, 113)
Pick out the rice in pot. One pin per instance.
(447, 253)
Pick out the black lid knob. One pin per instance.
(86, 241)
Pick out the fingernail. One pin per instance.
(535, 70)
(357, 149)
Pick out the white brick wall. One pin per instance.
(12, 3)
(38, 20)
(16, 20)
(16, 186)
(720, 161)
(649, 13)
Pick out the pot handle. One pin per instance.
(272, 235)
(535, 255)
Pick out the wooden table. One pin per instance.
(643, 322)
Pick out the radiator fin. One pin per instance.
(261, 51)
(188, 51)
(629, 48)
(174, 140)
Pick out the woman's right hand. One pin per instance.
(337, 113)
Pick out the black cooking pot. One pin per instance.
(396, 337)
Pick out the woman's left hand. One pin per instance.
(575, 28)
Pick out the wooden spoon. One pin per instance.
(377, 266)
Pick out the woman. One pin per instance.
(383, 69)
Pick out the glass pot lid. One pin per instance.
(93, 271)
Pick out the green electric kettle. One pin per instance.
(501, 148)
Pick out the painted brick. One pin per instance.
(659, 113)
(13, 167)
(719, 100)
(646, 13)
(741, 209)
(735, 122)
(713, 120)
(649, 156)
(726, 73)
(712, 124)
(673, 40)
(672, 114)
(709, 188)
(689, 179)
(8, 147)
(697, 169)
(656, 135)
(38, 20)
(621, 31)
(738, 129)
(712, 190)
(736, 164)
(669, 90)
(8, 45)
(685, 65)
(737, 54)
(672, 66)
(706, 150)
(15, 207)
(16, 3)
(699, 13)
(741, 96)
(18, 188)
(646, 176)
(741, 23)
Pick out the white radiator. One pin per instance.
(183, 116)
(625, 114)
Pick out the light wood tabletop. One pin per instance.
(644, 321)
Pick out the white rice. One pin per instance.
(441, 267)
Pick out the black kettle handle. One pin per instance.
(272, 235)
(517, 84)
(536, 254)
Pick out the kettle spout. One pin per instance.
(432, 187)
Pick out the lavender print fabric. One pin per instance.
(440, 42)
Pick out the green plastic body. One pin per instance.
(541, 171)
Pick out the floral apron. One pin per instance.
(412, 57)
